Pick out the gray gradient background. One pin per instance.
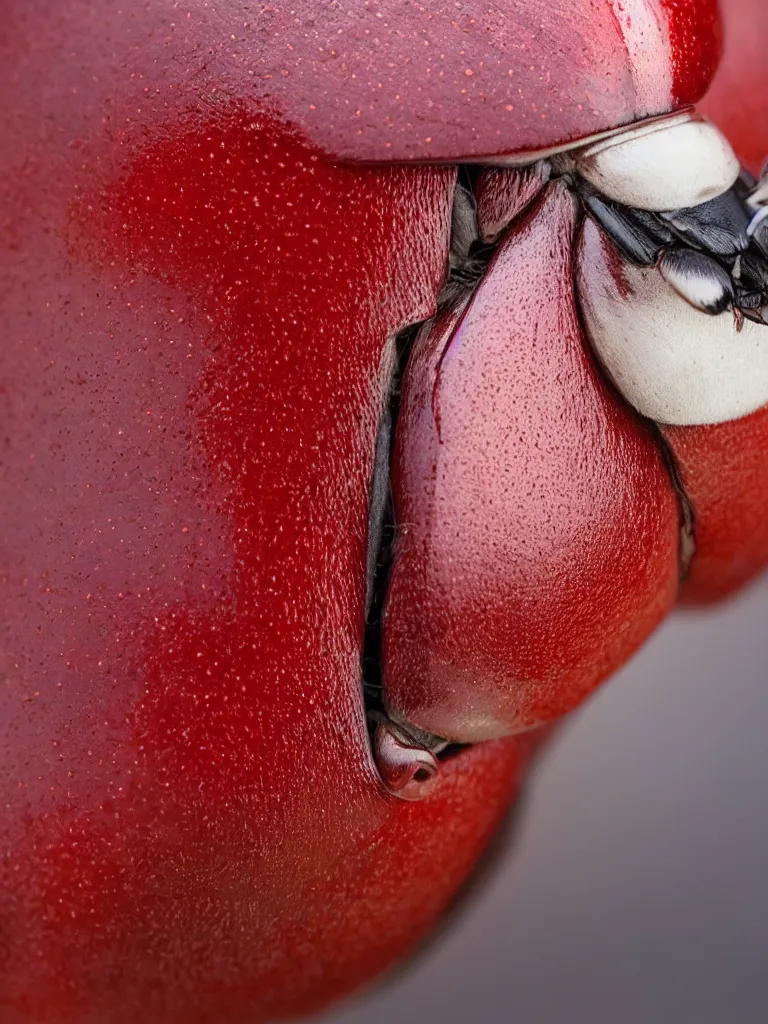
(637, 891)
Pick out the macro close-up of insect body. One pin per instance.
(376, 378)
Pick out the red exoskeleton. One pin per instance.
(376, 376)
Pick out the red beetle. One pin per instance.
(372, 375)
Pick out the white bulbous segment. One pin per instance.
(671, 362)
(668, 164)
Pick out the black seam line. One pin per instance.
(685, 506)
(459, 284)
(382, 527)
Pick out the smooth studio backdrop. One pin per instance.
(637, 889)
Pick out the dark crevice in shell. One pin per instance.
(468, 260)
(382, 533)
(382, 528)
(469, 254)
(723, 237)
(687, 516)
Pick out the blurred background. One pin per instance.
(637, 889)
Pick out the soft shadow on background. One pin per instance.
(637, 891)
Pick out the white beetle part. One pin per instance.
(669, 164)
(672, 362)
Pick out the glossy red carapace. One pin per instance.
(199, 300)
(540, 529)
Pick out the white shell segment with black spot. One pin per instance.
(673, 363)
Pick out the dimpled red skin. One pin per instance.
(501, 195)
(724, 468)
(724, 471)
(695, 33)
(192, 828)
(540, 532)
(376, 79)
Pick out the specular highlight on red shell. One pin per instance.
(320, 494)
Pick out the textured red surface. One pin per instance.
(539, 544)
(196, 353)
(501, 195)
(197, 313)
(362, 79)
(724, 470)
(736, 100)
(695, 32)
